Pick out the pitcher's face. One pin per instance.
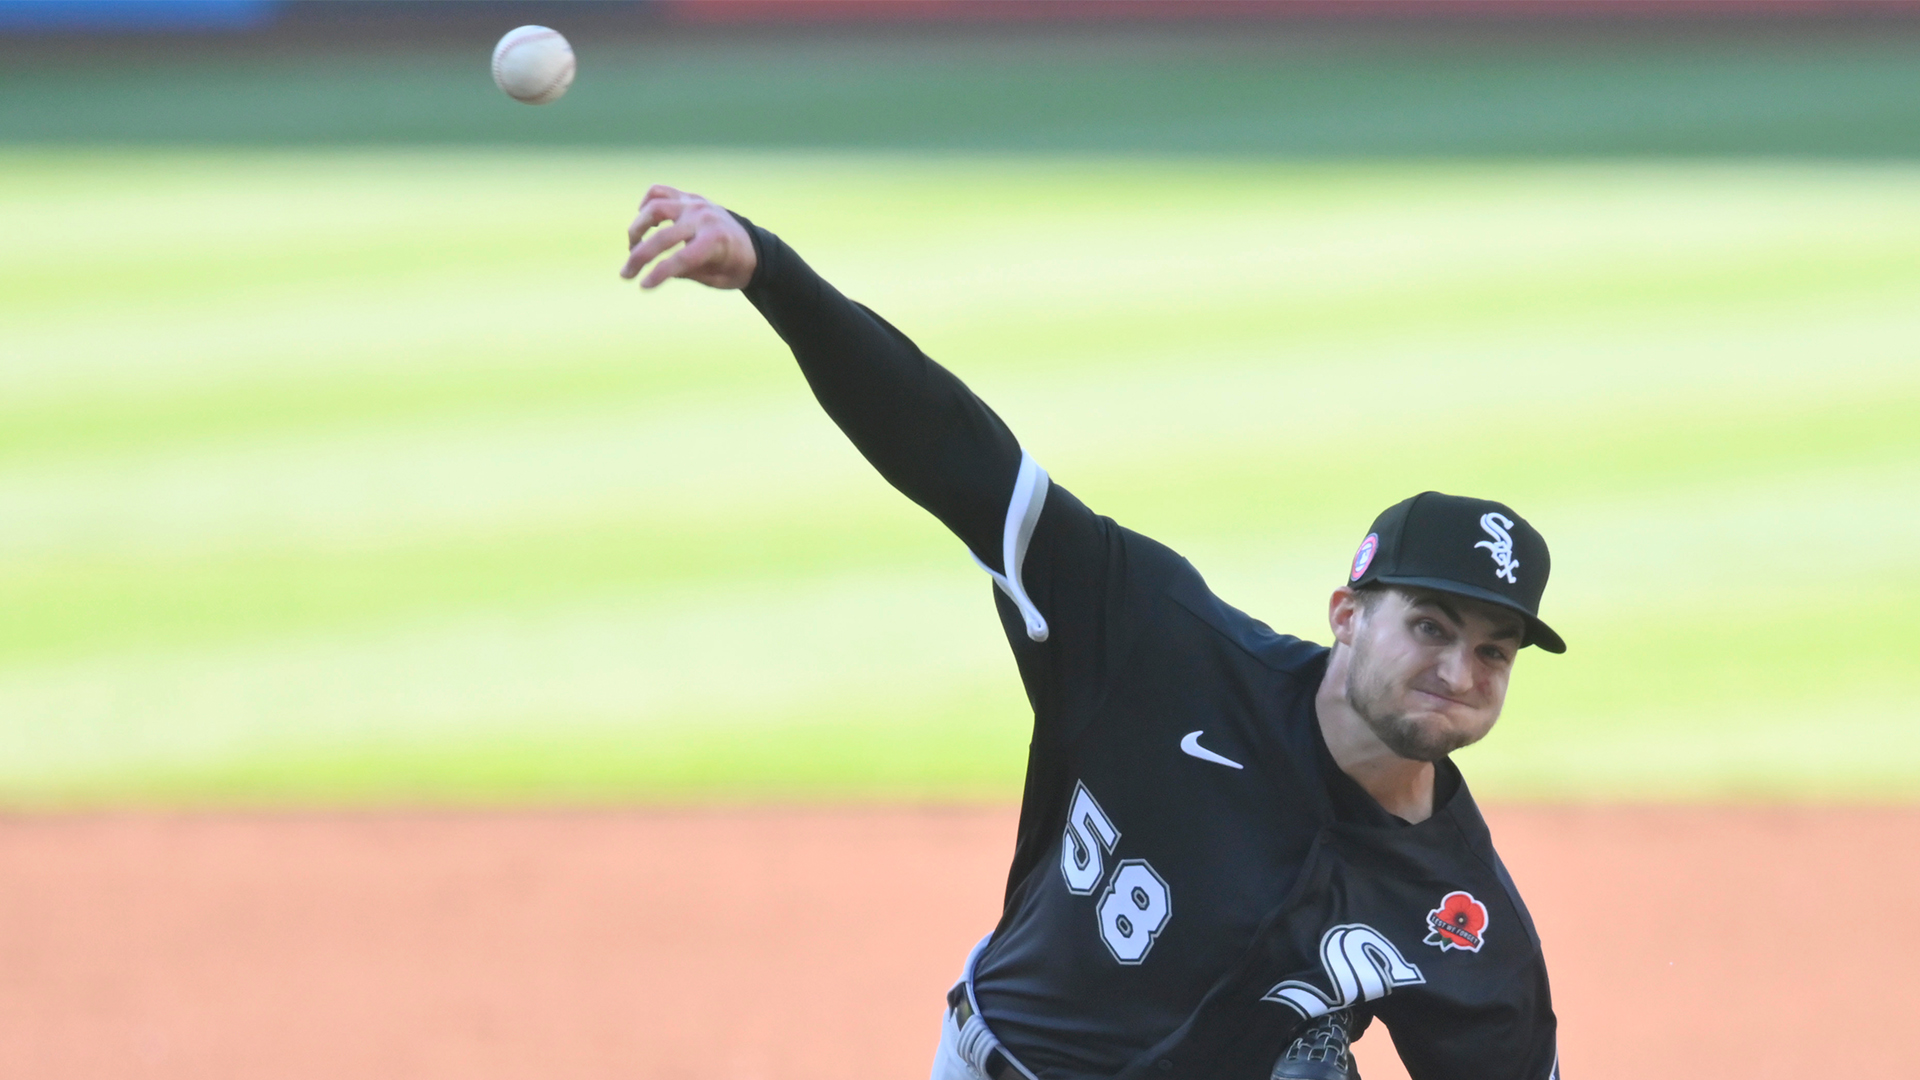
(1429, 669)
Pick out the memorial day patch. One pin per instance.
(1460, 922)
(1364, 557)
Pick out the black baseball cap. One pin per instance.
(1468, 547)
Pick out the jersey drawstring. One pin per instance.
(1023, 513)
(977, 1044)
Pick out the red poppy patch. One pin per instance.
(1364, 557)
(1460, 922)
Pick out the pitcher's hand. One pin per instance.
(717, 251)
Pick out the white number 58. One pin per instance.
(1137, 903)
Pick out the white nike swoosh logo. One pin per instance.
(1191, 744)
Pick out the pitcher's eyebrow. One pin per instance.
(1509, 633)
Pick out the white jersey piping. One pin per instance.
(1023, 513)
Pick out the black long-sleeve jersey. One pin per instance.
(1194, 877)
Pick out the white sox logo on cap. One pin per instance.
(1501, 546)
(1430, 542)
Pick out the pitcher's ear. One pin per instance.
(1344, 612)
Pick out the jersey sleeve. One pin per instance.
(914, 422)
(1517, 1040)
(1057, 565)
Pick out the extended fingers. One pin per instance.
(649, 249)
(652, 212)
(705, 230)
(696, 254)
(662, 203)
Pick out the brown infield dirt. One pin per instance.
(815, 943)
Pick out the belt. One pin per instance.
(997, 1065)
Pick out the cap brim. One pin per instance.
(1538, 633)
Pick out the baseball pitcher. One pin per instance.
(1236, 849)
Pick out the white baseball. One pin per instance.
(533, 64)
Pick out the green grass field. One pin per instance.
(359, 475)
(351, 473)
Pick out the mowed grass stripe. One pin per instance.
(940, 741)
(642, 541)
(1351, 245)
(476, 522)
(846, 650)
(843, 655)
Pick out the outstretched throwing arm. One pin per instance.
(925, 432)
